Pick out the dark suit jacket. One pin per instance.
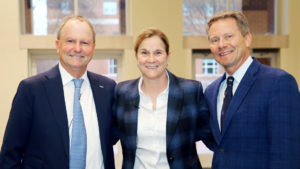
(262, 123)
(187, 121)
(37, 134)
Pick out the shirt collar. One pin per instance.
(67, 77)
(239, 74)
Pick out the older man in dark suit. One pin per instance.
(255, 109)
(49, 126)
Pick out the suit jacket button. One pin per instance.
(171, 159)
(222, 150)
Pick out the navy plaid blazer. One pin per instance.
(261, 129)
(187, 121)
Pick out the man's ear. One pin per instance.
(248, 39)
(57, 45)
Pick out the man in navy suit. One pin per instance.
(39, 129)
(260, 129)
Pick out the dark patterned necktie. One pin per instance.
(227, 99)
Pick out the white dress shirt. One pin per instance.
(151, 132)
(238, 75)
(94, 157)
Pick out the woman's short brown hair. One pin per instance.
(149, 33)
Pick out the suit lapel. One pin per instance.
(214, 115)
(98, 91)
(54, 89)
(175, 102)
(241, 92)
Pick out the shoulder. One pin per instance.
(41, 77)
(264, 72)
(277, 76)
(36, 84)
(183, 83)
(128, 85)
(274, 74)
(101, 78)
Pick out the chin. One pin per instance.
(151, 77)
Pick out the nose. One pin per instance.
(222, 43)
(151, 57)
(77, 47)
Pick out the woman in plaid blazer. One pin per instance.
(160, 116)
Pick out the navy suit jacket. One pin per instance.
(37, 135)
(187, 121)
(262, 123)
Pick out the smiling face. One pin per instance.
(152, 58)
(228, 46)
(75, 47)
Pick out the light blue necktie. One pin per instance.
(78, 142)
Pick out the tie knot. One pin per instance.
(230, 80)
(77, 82)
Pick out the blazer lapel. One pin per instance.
(175, 101)
(241, 92)
(133, 96)
(54, 89)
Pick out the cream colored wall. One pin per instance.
(290, 60)
(13, 64)
(163, 14)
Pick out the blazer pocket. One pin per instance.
(32, 163)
